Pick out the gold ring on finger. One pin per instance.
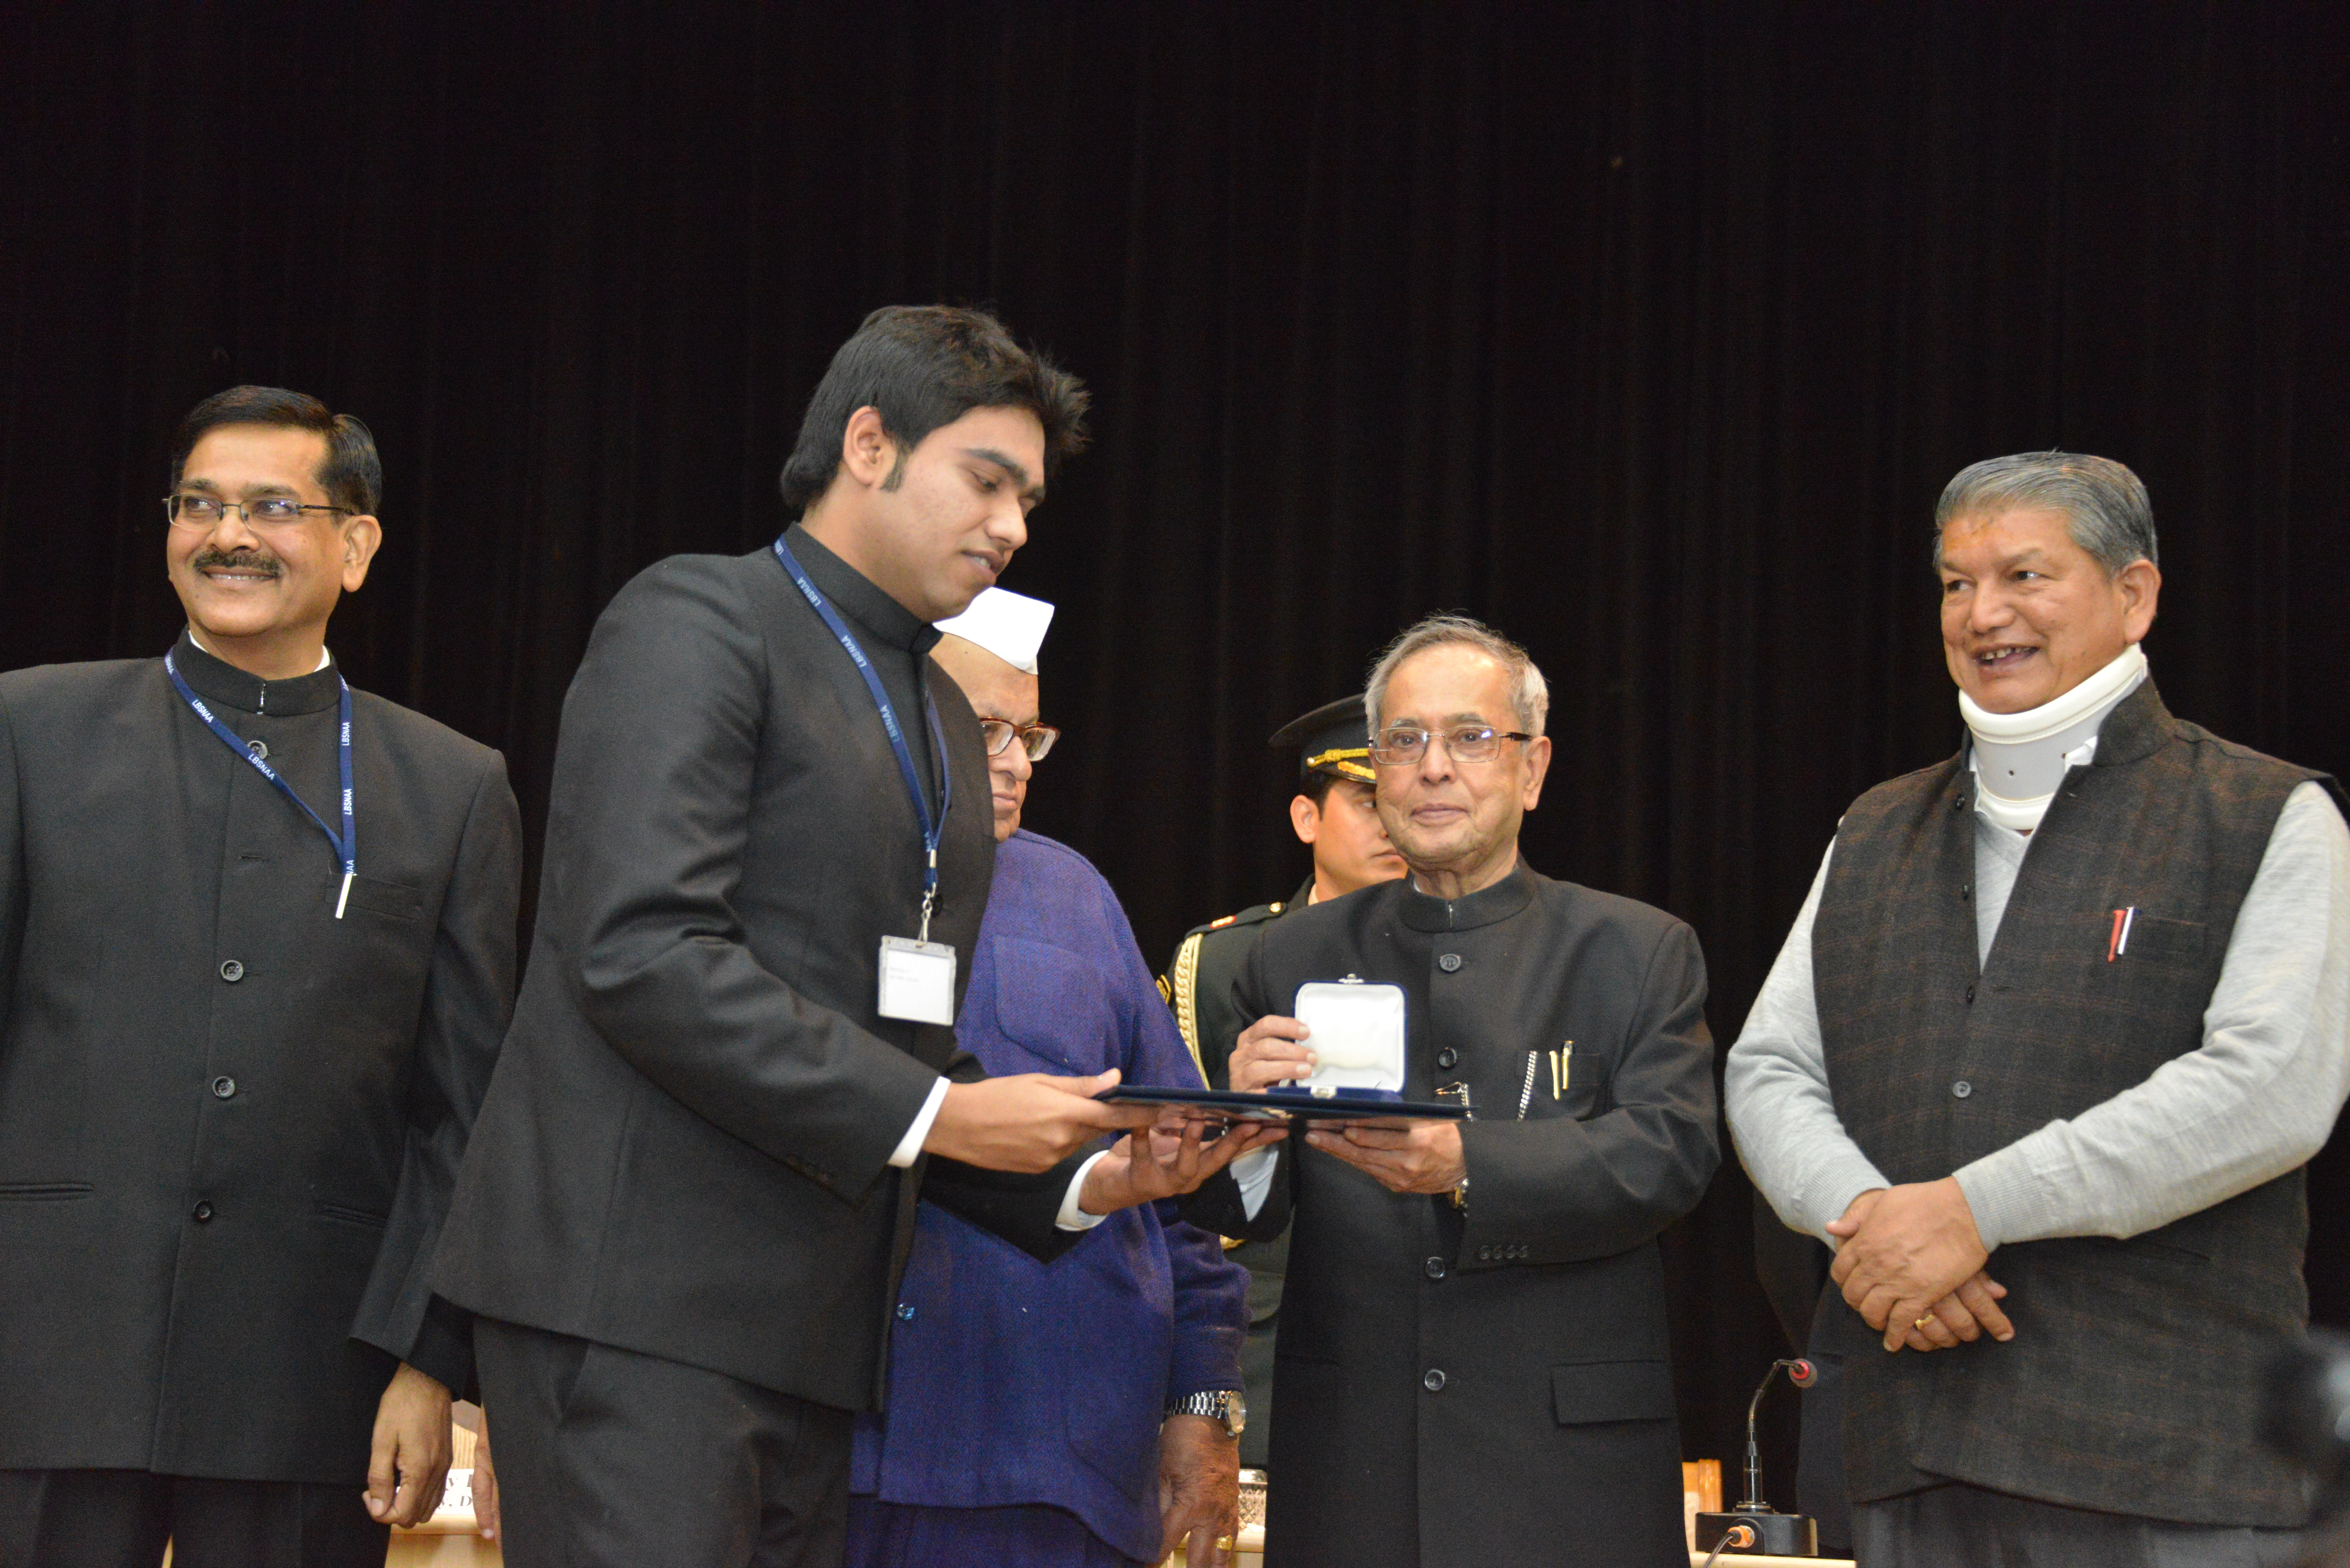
(1923, 1321)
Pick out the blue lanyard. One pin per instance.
(931, 831)
(346, 845)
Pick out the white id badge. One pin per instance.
(918, 980)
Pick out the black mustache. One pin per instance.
(234, 560)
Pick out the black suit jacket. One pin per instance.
(230, 1123)
(685, 1149)
(1492, 1384)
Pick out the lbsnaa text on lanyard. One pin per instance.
(933, 831)
(346, 845)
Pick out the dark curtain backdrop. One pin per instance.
(1648, 332)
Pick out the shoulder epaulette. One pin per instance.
(1179, 985)
(1254, 915)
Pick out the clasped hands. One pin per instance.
(1911, 1264)
(1402, 1157)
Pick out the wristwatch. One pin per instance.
(1224, 1404)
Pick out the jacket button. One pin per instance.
(1449, 962)
(224, 1087)
(1432, 1379)
(1435, 1267)
(905, 1311)
(232, 971)
(1446, 1058)
(202, 1211)
(260, 749)
(1966, 890)
(1961, 1089)
(1970, 995)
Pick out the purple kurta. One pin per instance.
(1014, 1382)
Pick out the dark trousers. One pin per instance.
(122, 1519)
(1960, 1526)
(608, 1459)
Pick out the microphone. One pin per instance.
(1753, 1525)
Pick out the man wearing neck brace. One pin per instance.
(2054, 1033)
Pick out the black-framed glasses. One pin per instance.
(1401, 744)
(192, 510)
(1035, 739)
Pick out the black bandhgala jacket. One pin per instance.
(1491, 1384)
(230, 1123)
(685, 1151)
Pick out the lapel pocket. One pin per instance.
(392, 899)
(2155, 940)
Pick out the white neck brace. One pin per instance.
(2019, 759)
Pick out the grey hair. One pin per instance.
(2104, 505)
(1529, 692)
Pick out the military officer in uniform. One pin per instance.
(1335, 815)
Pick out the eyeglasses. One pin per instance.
(193, 511)
(1035, 739)
(1408, 744)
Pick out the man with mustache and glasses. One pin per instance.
(257, 948)
(1472, 1365)
(2054, 1033)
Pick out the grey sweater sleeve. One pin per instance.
(2257, 1099)
(1776, 1085)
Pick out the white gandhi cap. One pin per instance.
(1008, 625)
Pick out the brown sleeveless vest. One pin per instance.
(2133, 1382)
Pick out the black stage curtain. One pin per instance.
(1648, 332)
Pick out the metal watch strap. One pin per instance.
(1226, 1406)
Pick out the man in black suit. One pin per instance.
(257, 944)
(697, 1176)
(1472, 1365)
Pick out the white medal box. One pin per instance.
(1357, 1035)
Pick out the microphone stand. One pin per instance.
(1753, 1526)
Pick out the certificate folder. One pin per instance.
(1288, 1104)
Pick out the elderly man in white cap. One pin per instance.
(1084, 1413)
